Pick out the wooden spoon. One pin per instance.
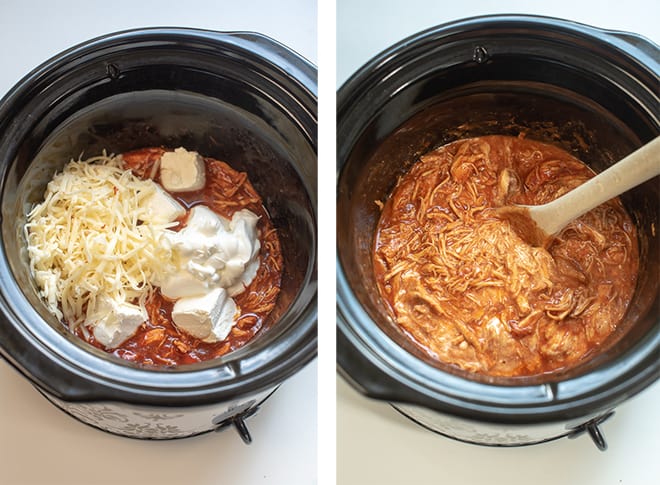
(537, 223)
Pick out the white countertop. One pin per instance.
(375, 444)
(43, 446)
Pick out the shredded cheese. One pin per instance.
(88, 239)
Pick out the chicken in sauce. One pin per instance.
(467, 289)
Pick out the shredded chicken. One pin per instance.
(470, 291)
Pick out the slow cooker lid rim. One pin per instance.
(277, 372)
(428, 38)
(269, 53)
(265, 47)
(71, 381)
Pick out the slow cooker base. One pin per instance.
(159, 424)
(500, 435)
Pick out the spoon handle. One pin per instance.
(636, 168)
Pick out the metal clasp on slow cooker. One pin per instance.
(594, 431)
(237, 415)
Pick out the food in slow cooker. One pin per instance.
(161, 257)
(468, 290)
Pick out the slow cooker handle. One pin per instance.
(292, 62)
(242, 430)
(594, 431)
(236, 417)
(638, 41)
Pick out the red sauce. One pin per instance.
(470, 292)
(158, 342)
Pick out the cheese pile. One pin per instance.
(85, 243)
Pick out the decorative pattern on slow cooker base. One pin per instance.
(147, 422)
(490, 434)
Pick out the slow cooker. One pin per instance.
(240, 97)
(594, 93)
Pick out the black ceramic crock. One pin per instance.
(239, 97)
(590, 91)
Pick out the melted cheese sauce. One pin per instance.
(464, 286)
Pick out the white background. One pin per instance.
(41, 445)
(376, 445)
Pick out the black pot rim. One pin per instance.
(379, 368)
(70, 372)
(645, 50)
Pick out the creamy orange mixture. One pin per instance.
(463, 284)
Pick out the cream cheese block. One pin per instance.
(209, 317)
(113, 322)
(182, 171)
(160, 207)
